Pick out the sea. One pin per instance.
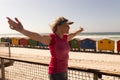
(92, 35)
(100, 35)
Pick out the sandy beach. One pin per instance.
(100, 61)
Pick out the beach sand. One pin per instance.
(88, 60)
(100, 61)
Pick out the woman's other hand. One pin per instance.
(15, 25)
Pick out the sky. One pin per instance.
(36, 15)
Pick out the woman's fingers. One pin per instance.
(82, 29)
(16, 25)
(11, 23)
(16, 19)
(8, 18)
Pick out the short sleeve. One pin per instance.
(53, 39)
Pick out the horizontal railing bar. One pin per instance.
(23, 60)
(101, 72)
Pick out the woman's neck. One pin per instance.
(59, 34)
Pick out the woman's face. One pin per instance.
(64, 28)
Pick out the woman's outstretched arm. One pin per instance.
(72, 35)
(17, 25)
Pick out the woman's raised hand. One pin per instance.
(15, 25)
(81, 29)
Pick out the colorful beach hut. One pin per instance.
(15, 41)
(3, 39)
(118, 46)
(23, 42)
(41, 45)
(32, 43)
(106, 45)
(8, 40)
(88, 45)
(75, 44)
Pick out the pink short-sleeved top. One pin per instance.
(59, 49)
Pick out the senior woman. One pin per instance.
(57, 41)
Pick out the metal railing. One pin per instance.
(30, 70)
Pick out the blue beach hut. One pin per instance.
(88, 45)
(41, 45)
(8, 40)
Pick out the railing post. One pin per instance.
(95, 77)
(2, 69)
(9, 50)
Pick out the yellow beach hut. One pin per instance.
(106, 45)
(15, 41)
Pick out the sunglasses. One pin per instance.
(62, 22)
